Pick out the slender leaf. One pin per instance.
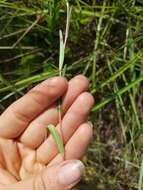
(57, 138)
(62, 49)
(120, 92)
(140, 184)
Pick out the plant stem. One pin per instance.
(61, 62)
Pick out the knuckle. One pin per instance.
(19, 115)
(37, 97)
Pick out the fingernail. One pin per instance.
(91, 125)
(71, 173)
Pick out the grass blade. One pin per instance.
(61, 57)
(141, 177)
(120, 92)
(57, 138)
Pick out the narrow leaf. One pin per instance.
(62, 49)
(118, 93)
(140, 184)
(64, 70)
(57, 138)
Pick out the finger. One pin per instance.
(38, 128)
(76, 86)
(17, 117)
(81, 139)
(77, 145)
(76, 115)
(58, 177)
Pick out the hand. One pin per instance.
(29, 158)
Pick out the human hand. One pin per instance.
(29, 159)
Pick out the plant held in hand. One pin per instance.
(58, 138)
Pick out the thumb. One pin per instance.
(58, 177)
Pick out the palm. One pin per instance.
(24, 148)
(20, 164)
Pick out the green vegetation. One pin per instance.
(106, 44)
(57, 138)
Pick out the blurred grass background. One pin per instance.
(105, 44)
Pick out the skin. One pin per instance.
(25, 148)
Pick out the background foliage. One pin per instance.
(105, 44)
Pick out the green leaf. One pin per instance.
(64, 70)
(62, 49)
(57, 138)
(118, 93)
(140, 177)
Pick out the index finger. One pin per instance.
(17, 117)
